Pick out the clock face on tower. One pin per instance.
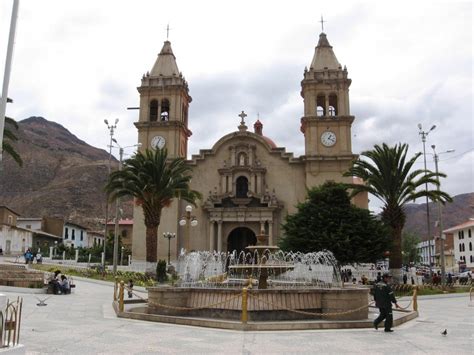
(158, 142)
(328, 138)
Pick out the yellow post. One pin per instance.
(121, 292)
(415, 302)
(244, 305)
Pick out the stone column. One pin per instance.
(76, 258)
(212, 237)
(51, 252)
(219, 236)
(64, 255)
(270, 232)
(326, 104)
(262, 227)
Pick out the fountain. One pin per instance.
(290, 286)
(262, 262)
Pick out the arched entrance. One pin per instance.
(240, 238)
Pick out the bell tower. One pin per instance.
(327, 121)
(164, 104)
(162, 123)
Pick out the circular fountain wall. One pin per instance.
(297, 286)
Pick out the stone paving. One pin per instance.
(84, 323)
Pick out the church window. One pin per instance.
(153, 110)
(73, 234)
(242, 187)
(333, 105)
(470, 246)
(66, 233)
(165, 109)
(320, 105)
(82, 235)
(469, 233)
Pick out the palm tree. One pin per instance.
(9, 137)
(154, 181)
(387, 176)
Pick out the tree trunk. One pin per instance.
(151, 244)
(394, 217)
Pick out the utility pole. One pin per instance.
(117, 210)
(6, 77)
(440, 219)
(111, 128)
(423, 135)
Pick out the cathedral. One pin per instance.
(249, 185)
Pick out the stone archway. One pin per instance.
(240, 238)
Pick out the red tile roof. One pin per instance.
(467, 224)
(122, 222)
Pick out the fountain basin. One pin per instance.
(267, 304)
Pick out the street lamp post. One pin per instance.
(111, 128)
(440, 219)
(189, 221)
(169, 236)
(117, 207)
(121, 256)
(423, 135)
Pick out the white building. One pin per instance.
(424, 252)
(30, 223)
(75, 235)
(463, 244)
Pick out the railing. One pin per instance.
(120, 288)
(10, 322)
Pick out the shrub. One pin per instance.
(161, 271)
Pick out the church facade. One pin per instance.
(248, 183)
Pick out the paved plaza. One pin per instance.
(84, 323)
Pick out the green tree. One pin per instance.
(328, 221)
(154, 181)
(9, 138)
(386, 172)
(410, 248)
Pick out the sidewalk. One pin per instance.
(84, 323)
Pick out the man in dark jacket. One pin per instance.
(384, 297)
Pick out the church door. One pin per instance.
(240, 238)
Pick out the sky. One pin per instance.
(80, 62)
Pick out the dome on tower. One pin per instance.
(324, 57)
(165, 64)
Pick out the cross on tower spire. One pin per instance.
(242, 116)
(167, 31)
(322, 23)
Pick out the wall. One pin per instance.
(18, 239)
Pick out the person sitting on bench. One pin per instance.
(54, 281)
(64, 285)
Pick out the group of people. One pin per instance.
(30, 256)
(59, 283)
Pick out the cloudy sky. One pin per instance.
(79, 62)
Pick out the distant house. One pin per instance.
(463, 240)
(95, 238)
(125, 231)
(72, 234)
(42, 239)
(13, 240)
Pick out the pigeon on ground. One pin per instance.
(41, 302)
(445, 332)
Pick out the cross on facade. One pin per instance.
(242, 116)
(322, 23)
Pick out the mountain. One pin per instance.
(61, 176)
(454, 213)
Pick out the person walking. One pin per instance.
(384, 297)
